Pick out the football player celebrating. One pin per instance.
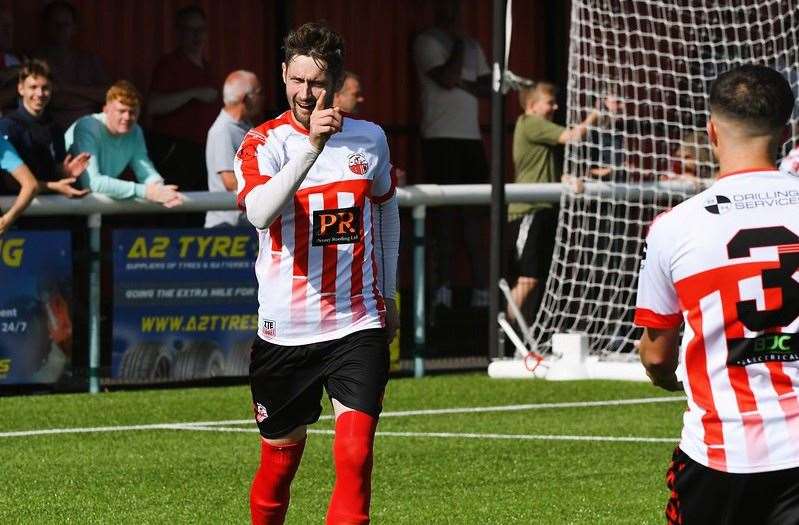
(317, 187)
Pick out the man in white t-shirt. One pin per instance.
(317, 186)
(723, 266)
(453, 73)
(243, 103)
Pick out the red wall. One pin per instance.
(130, 35)
(378, 36)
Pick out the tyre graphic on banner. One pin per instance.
(35, 307)
(185, 303)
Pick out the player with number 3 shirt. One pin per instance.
(724, 266)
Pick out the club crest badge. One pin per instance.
(260, 412)
(358, 163)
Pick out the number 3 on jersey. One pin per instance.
(781, 285)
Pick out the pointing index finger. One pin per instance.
(320, 102)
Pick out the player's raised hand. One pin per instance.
(325, 122)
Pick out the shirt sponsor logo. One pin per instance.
(336, 226)
(763, 348)
(718, 204)
(269, 328)
(358, 163)
(765, 199)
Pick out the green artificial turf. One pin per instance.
(203, 476)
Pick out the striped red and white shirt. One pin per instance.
(316, 266)
(726, 263)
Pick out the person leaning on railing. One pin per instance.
(11, 164)
(115, 142)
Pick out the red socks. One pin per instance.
(269, 496)
(352, 454)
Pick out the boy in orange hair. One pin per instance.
(115, 142)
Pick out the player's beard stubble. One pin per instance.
(302, 112)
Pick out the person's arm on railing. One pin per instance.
(28, 189)
(154, 188)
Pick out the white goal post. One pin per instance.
(659, 58)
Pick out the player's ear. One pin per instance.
(283, 67)
(712, 133)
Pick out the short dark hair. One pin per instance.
(51, 8)
(34, 68)
(185, 12)
(757, 97)
(322, 44)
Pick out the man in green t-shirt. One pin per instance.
(533, 225)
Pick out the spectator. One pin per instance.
(115, 142)
(533, 225)
(80, 78)
(37, 139)
(790, 163)
(12, 164)
(349, 97)
(694, 159)
(243, 104)
(9, 62)
(453, 72)
(183, 103)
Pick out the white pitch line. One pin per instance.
(471, 435)
(404, 413)
(534, 406)
(499, 408)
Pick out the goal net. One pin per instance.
(658, 58)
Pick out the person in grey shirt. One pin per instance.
(243, 103)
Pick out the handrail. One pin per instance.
(409, 196)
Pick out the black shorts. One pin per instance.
(454, 161)
(701, 495)
(532, 240)
(287, 381)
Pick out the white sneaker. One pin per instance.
(479, 298)
(443, 296)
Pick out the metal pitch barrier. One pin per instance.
(419, 198)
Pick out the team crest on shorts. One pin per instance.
(358, 163)
(260, 412)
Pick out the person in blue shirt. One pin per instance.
(37, 139)
(115, 142)
(13, 165)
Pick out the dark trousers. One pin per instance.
(180, 162)
(457, 161)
